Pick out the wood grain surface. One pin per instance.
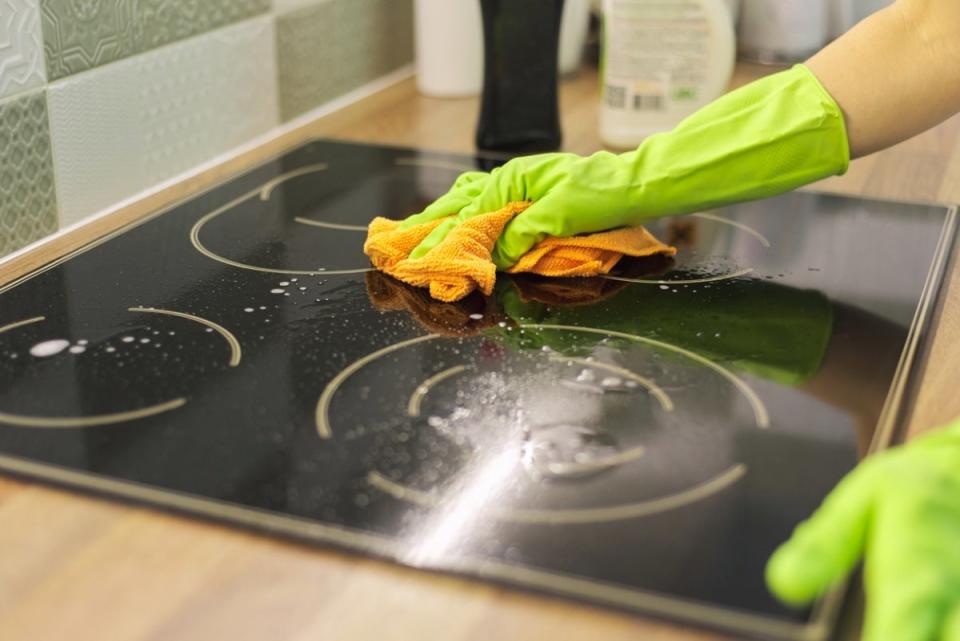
(81, 568)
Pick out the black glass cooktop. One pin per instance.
(642, 441)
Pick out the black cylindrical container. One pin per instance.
(519, 110)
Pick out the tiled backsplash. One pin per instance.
(372, 36)
(101, 99)
(28, 207)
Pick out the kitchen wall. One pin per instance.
(103, 99)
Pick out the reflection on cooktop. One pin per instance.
(503, 403)
(642, 441)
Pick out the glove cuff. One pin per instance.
(763, 139)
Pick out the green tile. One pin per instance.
(328, 49)
(28, 203)
(82, 34)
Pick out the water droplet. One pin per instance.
(293, 280)
(664, 286)
(276, 290)
(49, 348)
(263, 307)
(284, 283)
(83, 341)
(361, 500)
(77, 349)
(248, 309)
(476, 316)
(302, 288)
(144, 340)
(110, 350)
(127, 339)
(586, 376)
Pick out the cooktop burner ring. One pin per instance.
(619, 458)
(263, 192)
(583, 515)
(321, 412)
(235, 350)
(740, 273)
(421, 391)
(112, 418)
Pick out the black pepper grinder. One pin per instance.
(519, 111)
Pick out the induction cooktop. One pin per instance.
(643, 440)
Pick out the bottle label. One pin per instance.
(656, 53)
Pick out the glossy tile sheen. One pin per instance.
(28, 204)
(237, 351)
(82, 34)
(21, 47)
(123, 128)
(328, 49)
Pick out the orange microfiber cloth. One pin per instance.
(462, 262)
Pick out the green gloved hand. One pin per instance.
(900, 511)
(763, 139)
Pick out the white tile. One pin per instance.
(122, 128)
(21, 47)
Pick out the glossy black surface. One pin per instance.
(605, 439)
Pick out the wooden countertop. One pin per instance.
(76, 567)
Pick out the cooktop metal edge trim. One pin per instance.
(517, 577)
(828, 608)
(825, 610)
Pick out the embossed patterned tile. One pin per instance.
(28, 204)
(123, 128)
(82, 34)
(330, 48)
(21, 47)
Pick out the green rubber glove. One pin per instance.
(900, 511)
(766, 138)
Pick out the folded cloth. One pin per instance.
(462, 262)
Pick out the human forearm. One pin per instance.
(896, 74)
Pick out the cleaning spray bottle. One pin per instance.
(660, 62)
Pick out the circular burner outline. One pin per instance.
(666, 403)
(709, 279)
(235, 350)
(575, 516)
(321, 412)
(264, 189)
(27, 321)
(553, 517)
(90, 421)
(632, 454)
(21, 420)
(418, 394)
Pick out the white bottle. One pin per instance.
(661, 61)
(449, 46)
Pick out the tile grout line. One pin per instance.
(341, 102)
